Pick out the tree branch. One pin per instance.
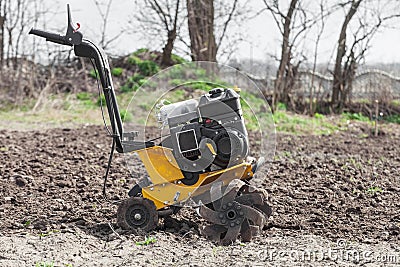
(226, 23)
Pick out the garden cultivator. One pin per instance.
(202, 162)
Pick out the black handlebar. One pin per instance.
(85, 48)
(52, 37)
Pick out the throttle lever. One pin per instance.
(72, 36)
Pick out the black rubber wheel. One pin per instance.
(137, 213)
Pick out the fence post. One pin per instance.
(376, 116)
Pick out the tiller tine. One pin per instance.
(251, 196)
(232, 216)
(250, 199)
(257, 201)
(248, 231)
(216, 195)
(231, 235)
(213, 232)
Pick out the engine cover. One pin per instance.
(216, 122)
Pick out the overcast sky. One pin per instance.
(261, 33)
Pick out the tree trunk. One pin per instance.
(2, 41)
(338, 74)
(349, 72)
(285, 56)
(2, 20)
(167, 50)
(201, 30)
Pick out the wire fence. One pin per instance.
(369, 85)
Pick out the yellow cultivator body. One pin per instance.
(166, 187)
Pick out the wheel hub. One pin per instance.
(231, 214)
(137, 213)
(136, 216)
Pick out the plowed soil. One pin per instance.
(344, 186)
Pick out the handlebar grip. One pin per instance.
(52, 37)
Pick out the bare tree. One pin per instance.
(14, 11)
(372, 16)
(228, 14)
(325, 11)
(15, 17)
(2, 21)
(103, 7)
(201, 30)
(23, 22)
(291, 24)
(203, 19)
(338, 75)
(161, 18)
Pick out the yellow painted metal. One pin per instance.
(211, 148)
(237, 89)
(173, 193)
(166, 189)
(160, 164)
